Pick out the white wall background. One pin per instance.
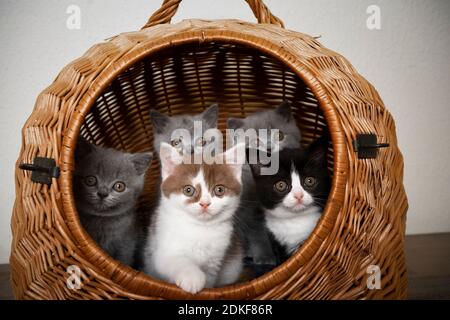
(407, 61)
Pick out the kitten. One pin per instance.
(165, 129)
(192, 240)
(280, 118)
(168, 129)
(294, 197)
(107, 184)
(256, 239)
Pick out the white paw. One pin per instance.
(191, 280)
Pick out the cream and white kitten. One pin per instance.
(192, 241)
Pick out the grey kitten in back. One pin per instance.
(278, 118)
(164, 129)
(258, 245)
(107, 184)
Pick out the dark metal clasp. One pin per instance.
(43, 170)
(366, 146)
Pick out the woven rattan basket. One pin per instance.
(106, 96)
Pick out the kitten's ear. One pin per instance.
(159, 120)
(284, 110)
(141, 161)
(235, 123)
(211, 115)
(317, 151)
(256, 166)
(170, 158)
(235, 158)
(83, 148)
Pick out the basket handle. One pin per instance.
(169, 8)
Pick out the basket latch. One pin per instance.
(43, 170)
(366, 146)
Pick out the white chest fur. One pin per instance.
(291, 232)
(178, 235)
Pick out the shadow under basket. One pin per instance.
(106, 95)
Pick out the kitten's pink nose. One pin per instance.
(298, 196)
(204, 205)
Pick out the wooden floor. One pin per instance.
(5, 287)
(428, 261)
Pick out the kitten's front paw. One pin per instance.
(191, 280)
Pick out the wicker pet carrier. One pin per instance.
(106, 95)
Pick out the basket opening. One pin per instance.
(188, 78)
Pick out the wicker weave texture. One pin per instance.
(179, 68)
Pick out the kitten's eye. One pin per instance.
(200, 142)
(281, 186)
(188, 191)
(219, 190)
(119, 186)
(279, 136)
(90, 181)
(176, 142)
(310, 182)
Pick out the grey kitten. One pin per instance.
(257, 243)
(279, 118)
(107, 184)
(165, 129)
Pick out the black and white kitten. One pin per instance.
(107, 184)
(293, 199)
(256, 239)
